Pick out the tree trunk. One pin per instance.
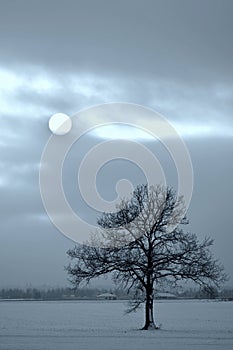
(149, 315)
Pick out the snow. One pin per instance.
(102, 325)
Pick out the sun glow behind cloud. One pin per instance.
(186, 130)
(42, 86)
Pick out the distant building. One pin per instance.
(106, 296)
(165, 296)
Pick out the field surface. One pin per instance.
(102, 325)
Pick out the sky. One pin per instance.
(174, 57)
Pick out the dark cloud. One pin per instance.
(185, 40)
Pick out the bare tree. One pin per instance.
(143, 244)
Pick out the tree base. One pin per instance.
(151, 326)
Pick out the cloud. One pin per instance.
(182, 40)
(42, 93)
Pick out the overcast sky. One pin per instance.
(61, 56)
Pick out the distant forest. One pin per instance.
(92, 293)
(58, 293)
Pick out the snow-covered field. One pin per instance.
(102, 325)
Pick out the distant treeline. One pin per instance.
(92, 293)
(58, 293)
(211, 293)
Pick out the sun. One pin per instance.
(60, 124)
